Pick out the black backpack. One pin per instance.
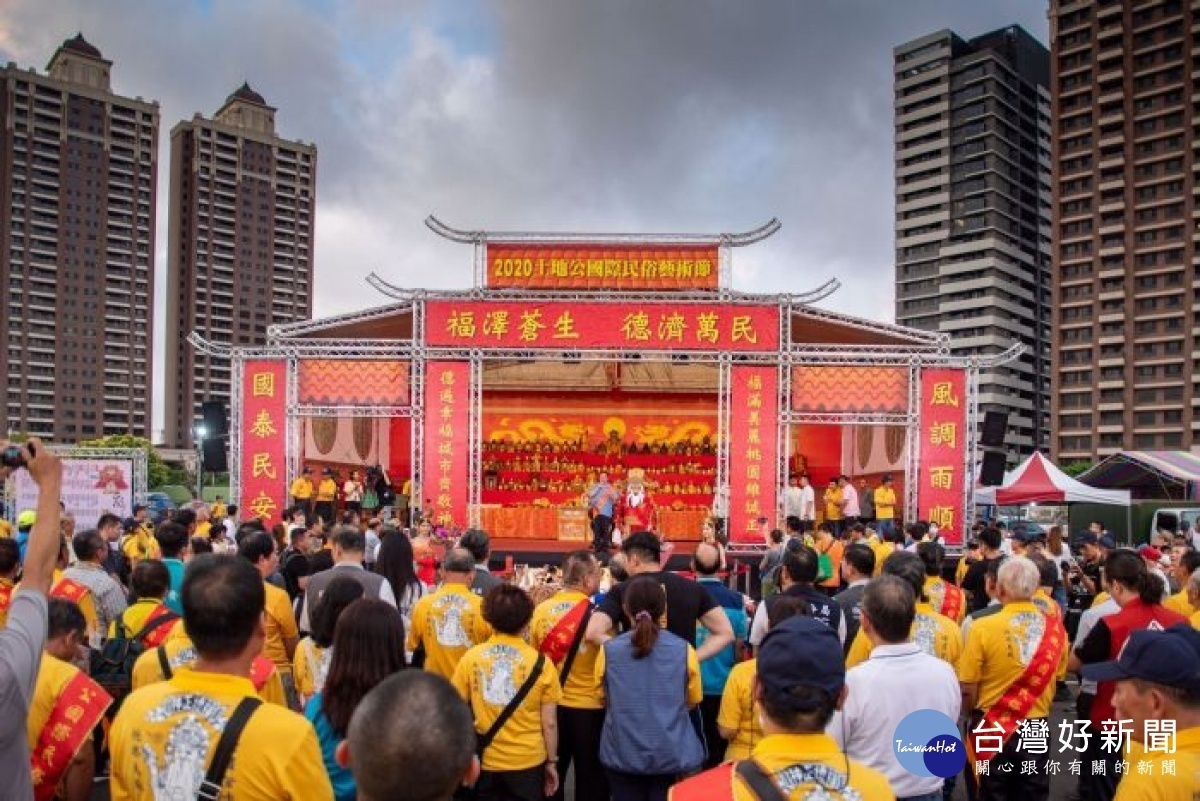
(112, 665)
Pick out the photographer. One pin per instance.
(22, 640)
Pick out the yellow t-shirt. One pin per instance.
(181, 655)
(738, 713)
(487, 677)
(219, 509)
(53, 675)
(281, 625)
(1179, 603)
(203, 528)
(781, 752)
(448, 623)
(935, 591)
(165, 734)
(1196, 620)
(993, 658)
(134, 618)
(935, 634)
(882, 551)
(1156, 785)
(581, 690)
(327, 490)
(309, 666)
(833, 500)
(695, 688)
(885, 503)
(302, 489)
(960, 572)
(140, 544)
(5, 529)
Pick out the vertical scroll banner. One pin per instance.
(753, 450)
(445, 471)
(263, 463)
(941, 479)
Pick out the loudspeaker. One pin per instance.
(991, 471)
(995, 429)
(215, 422)
(214, 456)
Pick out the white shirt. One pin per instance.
(808, 503)
(793, 502)
(1087, 622)
(231, 530)
(882, 693)
(373, 542)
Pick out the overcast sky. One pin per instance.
(613, 115)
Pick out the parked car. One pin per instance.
(159, 505)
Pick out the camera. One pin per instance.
(12, 456)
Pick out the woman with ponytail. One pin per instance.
(651, 679)
(1139, 594)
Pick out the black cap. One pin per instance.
(801, 652)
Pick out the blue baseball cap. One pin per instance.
(1107, 542)
(800, 652)
(1170, 658)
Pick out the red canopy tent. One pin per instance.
(1037, 480)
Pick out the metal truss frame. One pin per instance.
(294, 456)
(475, 441)
(302, 410)
(237, 378)
(417, 434)
(970, 451)
(529, 237)
(724, 415)
(288, 331)
(912, 463)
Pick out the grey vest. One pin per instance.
(371, 584)
(646, 729)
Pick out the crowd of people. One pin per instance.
(354, 660)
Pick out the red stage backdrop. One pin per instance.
(565, 418)
(623, 267)
(753, 450)
(355, 382)
(943, 442)
(263, 466)
(447, 406)
(566, 325)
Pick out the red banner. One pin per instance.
(263, 464)
(623, 267)
(943, 443)
(445, 471)
(753, 450)
(563, 325)
(352, 382)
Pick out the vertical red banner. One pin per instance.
(263, 465)
(445, 470)
(940, 471)
(753, 450)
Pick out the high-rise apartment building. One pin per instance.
(240, 249)
(1126, 217)
(972, 145)
(77, 178)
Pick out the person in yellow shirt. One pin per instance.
(140, 543)
(945, 598)
(449, 622)
(60, 738)
(282, 632)
(1008, 670)
(219, 509)
(833, 503)
(10, 563)
(314, 654)
(74, 591)
(326, 496)
(882, 547)
(738, 717)
(302, 492)
(964, 564)
(801, 682)
(148, 619)
(1184, 602)
(163, 737)
(1156, 682)
(557, 631)
(520, 760)
(934, 633)
(885, 507)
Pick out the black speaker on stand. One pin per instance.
(215, 421)
(995, 429)
(215, 460)
(991, 471)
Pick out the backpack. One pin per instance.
(112, 665)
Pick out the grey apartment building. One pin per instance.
(972, 134)
(77, 177)
(1126, 216)
(240, 249)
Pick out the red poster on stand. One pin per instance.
(753, 451)
(445, 471)
(263, 464)
(940, 471)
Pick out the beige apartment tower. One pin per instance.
(240, 251)
(1126, 222)
(77, 177)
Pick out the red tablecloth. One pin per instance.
(540, 523)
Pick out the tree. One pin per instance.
(157, 472)
(1076, 469)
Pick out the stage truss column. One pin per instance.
(294, 428)
(724, 366)
(784, 430)
(912, 462)
(970, 452)
(475, 439)
(417, 421)
(237, 365)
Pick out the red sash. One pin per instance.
(952, 600)
(69, 590)
(79, 708)
(711, 785)
(159, 634)
(558, 642)
(260, 671)
(6, 594)
(1002, 719)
